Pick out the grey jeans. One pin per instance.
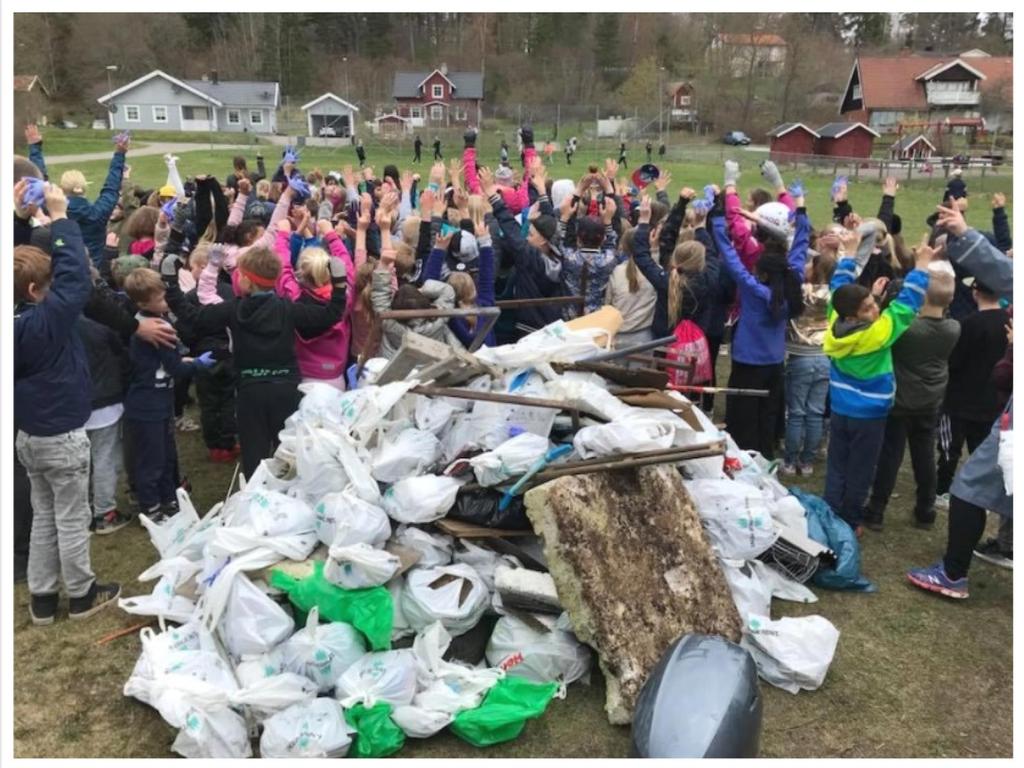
(58, 471)
(106, 466)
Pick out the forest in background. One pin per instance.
(608, 61)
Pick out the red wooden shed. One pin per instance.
(791, 139)
(846, 140)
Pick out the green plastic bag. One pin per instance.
(504, 711)
(376, 733)
(368, 610)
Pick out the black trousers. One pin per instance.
(262, 409)
(966, 525)
(951, 444)
(707, 402)
(752, 421)
(215, 388)
(153, 459)
(437, 154)
(918, 431)
(416, 157)
(181, 397)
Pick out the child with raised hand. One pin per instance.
(759, 201)
(862, 386)
(93, 217)
(589, 250)
(324, 357)
(769, 296)
(263, 327)
(52, 401)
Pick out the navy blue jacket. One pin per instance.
(150, 395)
(52, 387)
(93, 217)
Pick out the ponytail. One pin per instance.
(632, 275)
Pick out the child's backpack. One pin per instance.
(691, 348)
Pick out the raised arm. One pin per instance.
(972, 251)
(733, 265)
(287, 286)
(34, 139)
(1000, 223)
(111, 190)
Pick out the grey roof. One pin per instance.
(832, 130)
(239, 93)
(909, 140)
(468, 85)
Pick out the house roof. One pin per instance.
(838, 130)
(241, 93)
(391, 116)
(782, 130)
(25, 84)
(889, 82)
(910, 140)
(937, 69)
(673, 88)
(332, 97)
(755, 39)
(468, 85)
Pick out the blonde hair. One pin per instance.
(263, 188)
(73, 183)
(405, 259)
(313, 268)
(478, 206)
(411, 230)
(941, 284)
(364, 288)
(693, 219)
(884, 241)
(200, 254)
(465, 288)
(687, 259)
(142, 285)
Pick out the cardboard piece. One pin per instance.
(607, 319)
(653, 398)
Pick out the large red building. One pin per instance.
(439, 98)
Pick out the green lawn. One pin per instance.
(76, 141)
(914, 675)
(690, 164)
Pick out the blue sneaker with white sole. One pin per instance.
(934, 579)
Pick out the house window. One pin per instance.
(234, 117)
(159, 114)
(436, 112)
(460, 113)
(132, 114)
(437, 91)
(684, 101)
(416, 112)
(255, 117)
(194, 113)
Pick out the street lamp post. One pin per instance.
(661, 104)
(344, 60)
(111, 68)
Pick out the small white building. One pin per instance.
(330, 115)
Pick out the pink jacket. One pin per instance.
(516, 199)
(326, 356)
(743, 240)
(206, 289)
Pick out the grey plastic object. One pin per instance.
(701, 700)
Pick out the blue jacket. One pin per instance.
(93, 217)
(52, 386)
(150, 395)
(484, 290)
(759, 338)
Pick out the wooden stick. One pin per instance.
(492, 397)
(123, 632)
(548, 301)
(719, 390)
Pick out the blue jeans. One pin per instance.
(806, 390)
(853, 450)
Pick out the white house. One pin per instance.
(331, 113)
(158, 101)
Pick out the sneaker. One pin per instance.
(805, 470)
(942, 501)
(98, 597)
(991, 552)
(185, 424)
(934, 579)
(924, 525)
(153, 514)
(787, 469)
(110, 522)
(43, 609)
(168, 510)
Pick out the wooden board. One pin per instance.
(471, 531)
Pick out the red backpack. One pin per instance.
(690, 347)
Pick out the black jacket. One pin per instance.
(150, 395)
(971, 393)
(108, 363)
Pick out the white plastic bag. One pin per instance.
(383, 676)
(359, 566)
(344, 518)
(791, 653)
(455, 595)
(543, 657)
(735, 515)
(314, 728)
(588, 397)
(555, 342)
(169, 537)
(630, 434)
(255, 669)
(482, 560)
(411, 452)
(269, 695)
(780, 585)
(510, 459)
(323, 405)
(252, 623)
(421, 499)
(1005, 459)
(268, 513)
(447, 686)
(321, 652)
(752, 596)
(317, 462)
(433, 414)
(433, 548)
(419, 723)
(218, 734)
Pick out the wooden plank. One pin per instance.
(471, 531)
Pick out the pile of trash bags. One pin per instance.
(321, 613)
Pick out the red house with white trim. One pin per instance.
(792, 139)
(440, 97)
(846, 140)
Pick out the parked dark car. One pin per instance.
(736, 138)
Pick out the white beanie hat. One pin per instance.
(560, 190)
(775, 217)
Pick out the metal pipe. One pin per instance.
(625, 351)
(697, 390)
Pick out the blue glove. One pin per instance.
(796, 189)
(839, 182)
(299, 186)
(205, 360)
(291, 155)
(702, 205)
(350, 376)
(168, 208)
(709, 192)
(35, 192)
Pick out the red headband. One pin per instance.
(262, 282)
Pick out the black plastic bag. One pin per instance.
(481, 508)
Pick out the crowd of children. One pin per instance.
(252, 287)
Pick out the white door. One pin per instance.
(195, 119)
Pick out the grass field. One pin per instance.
(73, 141)
(914, 675)
(692, 166)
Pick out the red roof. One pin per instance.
(24, 83)
(887, 82)
(729, 38)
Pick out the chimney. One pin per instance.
(213, 77)
(443, 69)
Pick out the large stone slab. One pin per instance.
(633, 569)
